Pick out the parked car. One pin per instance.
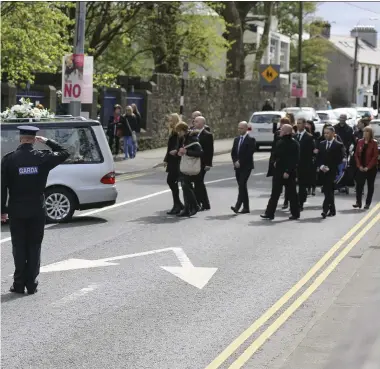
(86, 180)
(328, 116)
(367, 112)
(260, 126)
(295, 109)
(375, 124)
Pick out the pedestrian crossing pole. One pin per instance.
(300, 32)
(185, 75)
(75, 107)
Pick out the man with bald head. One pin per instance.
(286, 157)
(196, 114)
(206, 140)
(242, 157)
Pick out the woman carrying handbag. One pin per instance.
(190, 167)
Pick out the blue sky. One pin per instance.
(348, 14)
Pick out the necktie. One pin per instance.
(299, 136)
(240, 142)
(328, 145)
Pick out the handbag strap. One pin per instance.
(129, 126)
(192, 144)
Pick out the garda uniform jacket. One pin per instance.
(24, 174)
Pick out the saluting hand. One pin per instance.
(41, 139)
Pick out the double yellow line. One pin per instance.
(368, 223)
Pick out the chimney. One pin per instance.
(368, 34)
(320, 28)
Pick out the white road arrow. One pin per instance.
(196, 276)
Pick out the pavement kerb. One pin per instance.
(160, 165)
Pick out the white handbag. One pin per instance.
(189, 165)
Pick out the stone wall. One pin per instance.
(223, 102)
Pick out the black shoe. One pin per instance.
(193, 212)
(324, 215)
(331, 214)
(183, 213)
(285, 206)
(367, 206)
(17, 289)
(32, 291)
(234, 209)
(356, 206)
(244, 211)
(173, 211)
(292, 217)
(266, 217)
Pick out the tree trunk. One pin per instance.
(268, 9)
(234, 35)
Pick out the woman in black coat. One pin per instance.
(195, 151)
(310, 127)
(113, 121)
(171, 162)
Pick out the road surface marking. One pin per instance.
(196, 276)
(74, 296)
(96, 211)
(241, 360)
(229, 350)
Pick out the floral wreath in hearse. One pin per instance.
(26, 110)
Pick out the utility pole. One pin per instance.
(80, 20)
(185, 74)
(355, 81)
(300, 32)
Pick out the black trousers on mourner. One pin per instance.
(328, 187)
(188, 192)
(242, 176)
(200, 190)
(361, 178)
(290, 190)
(27, 235)
(114, 139)
(172, 181)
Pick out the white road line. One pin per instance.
(74, 296)
(96, 211)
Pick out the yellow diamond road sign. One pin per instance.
(269, 74)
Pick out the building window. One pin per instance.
(377, 74)
(272, 51)
(362, 77)
(369, 75)
(365, 103)
(283, 56)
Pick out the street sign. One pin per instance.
(77, 78)
(196, 276)
(298, 85)
(270, 77)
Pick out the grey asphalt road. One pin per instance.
(136, 314)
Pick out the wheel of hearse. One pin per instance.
(60, 205)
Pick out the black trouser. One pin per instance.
(172, 181)
(290, 190)
(188, 192)
(361, 178)
(201, 191)
(27, 235)
(242, 176)
(302, 190)
(111, 141)
(329, 193)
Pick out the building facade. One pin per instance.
(343, 91)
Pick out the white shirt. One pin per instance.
(200, 132)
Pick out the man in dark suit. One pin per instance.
(286, 159)
(242, 157)
(305, 171)
(206, 140)
(330, 156)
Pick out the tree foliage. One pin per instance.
(33, 38)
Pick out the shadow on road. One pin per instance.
(159, 218)
(81, 222)
(265, 222)
(311, 220)
(10, 296)
(352, 211)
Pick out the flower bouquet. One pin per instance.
(26, 110)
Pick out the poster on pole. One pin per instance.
(77, 78)
(298, 85)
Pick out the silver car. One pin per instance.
(86, 180)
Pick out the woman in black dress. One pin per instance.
(171, 162)
(310, 127)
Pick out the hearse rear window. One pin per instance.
(80, 142)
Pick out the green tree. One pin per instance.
(33, 38)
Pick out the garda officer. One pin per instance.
(24, 174)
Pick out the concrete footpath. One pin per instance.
(147, 159)
(348, 334)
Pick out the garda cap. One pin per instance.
(28, 130)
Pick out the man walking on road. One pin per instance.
(24, 173)
(330, 156)
(305, 170)
(242, 157)
(194, 115)
(286, 158)
(345, 132)
(206, 140)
